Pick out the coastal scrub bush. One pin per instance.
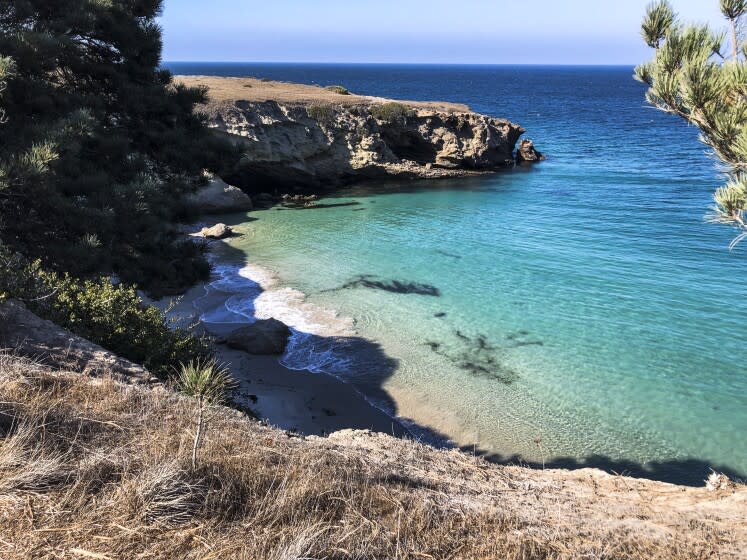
(692, 76)
(112, 316)
(342, 90)
(321, 113)
(391, 112)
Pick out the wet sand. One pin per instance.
(300, 401)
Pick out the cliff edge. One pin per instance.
(94, 468)
(294, 135)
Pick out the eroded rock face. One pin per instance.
(528, 153)
(313, 146)
(265, 337)
(26, 334)
(219, 197)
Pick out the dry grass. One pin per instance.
(222, 89)
(97, 469)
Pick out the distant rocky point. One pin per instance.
(308, 137)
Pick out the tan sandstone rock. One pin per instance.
(26, 334)
(301, 136)
(219, 197)
(527, 152)
(218, 231)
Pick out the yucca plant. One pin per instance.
(208, 382)
(691, 78)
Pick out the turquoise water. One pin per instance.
(576, 312)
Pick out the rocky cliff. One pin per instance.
(304, 136)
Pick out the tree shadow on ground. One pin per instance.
(689, 471)
(355, 361)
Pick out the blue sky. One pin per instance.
(414, 31)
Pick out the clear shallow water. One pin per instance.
(587, 314)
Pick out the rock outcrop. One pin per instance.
(528, 153)
(219, 197)
(26, 334)
(310, 138)
(294, 145)
(264, 337)
(218, 231)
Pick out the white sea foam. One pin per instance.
(253, 292)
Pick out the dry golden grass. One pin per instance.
(224, 89)
(91, 468)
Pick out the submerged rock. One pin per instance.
(218, 231)
(218, 197)
(262, 337)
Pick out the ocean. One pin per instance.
(579, 312)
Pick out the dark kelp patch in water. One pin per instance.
(519, 338)
(393, 286)
(447, 254)
(478, 357)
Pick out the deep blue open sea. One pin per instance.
(584, 313)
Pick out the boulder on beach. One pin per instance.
(219, 197)
(265, 337)
(218, 231)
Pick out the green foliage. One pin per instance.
(111, 316)
(657, 23)
(321, 113)
(342, 90)
(391, 112)
(205, 379)
(209, 383)
(733, 9)
(98, 140)
(690, 78)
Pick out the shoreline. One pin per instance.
(296, 400)
(318, 399)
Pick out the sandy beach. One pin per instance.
(304, 402)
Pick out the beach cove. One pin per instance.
(552, 333)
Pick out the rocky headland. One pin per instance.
(299, 137)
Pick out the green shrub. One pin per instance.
(342, 90)
(320, 113)
(391, 112)
(111, 316)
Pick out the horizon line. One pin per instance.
(602, 65)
